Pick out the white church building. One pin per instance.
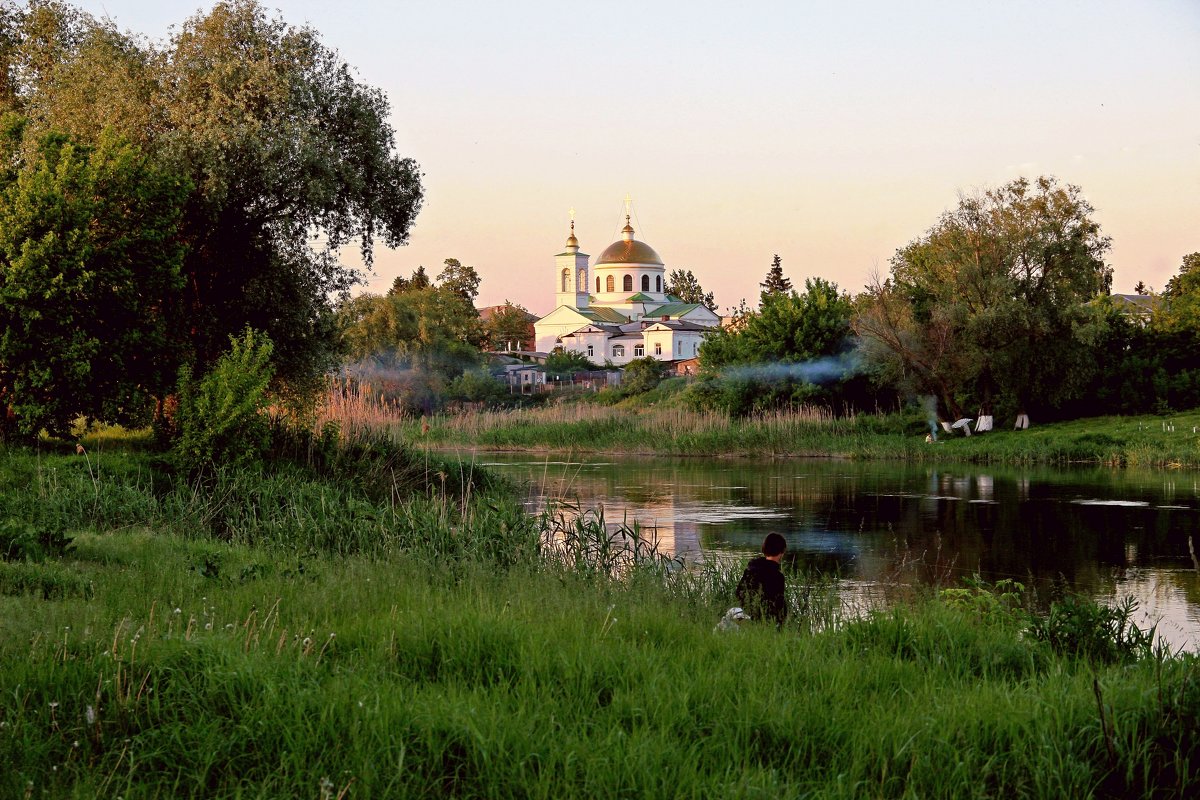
(618, 310)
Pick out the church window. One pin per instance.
(608, 283)
(618, 351)
(645, 283)
(627, 284)
(639, 350)
(658, 348)
(658, 283)
(597, 284)
(566, 279)
(590, 351)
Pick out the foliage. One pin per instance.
(775, 282)
(460, 279)
(478, 386)
(989, 308)
(1180, 309)
(433, 330)
(23, 541)
(1081, 627)
(221, 419)
(1001, 601)
(510, 325)
(568, 362)
(84, 296)
(684, 285)
(289, 159)
(419, 280)
(641, 375)
(791, 351)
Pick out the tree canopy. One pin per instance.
(684, 285)
(993, 305)
(286, 158)
(460, 279)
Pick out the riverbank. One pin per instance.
(283, 634)
(1171, 441)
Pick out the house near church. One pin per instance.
(617, 309)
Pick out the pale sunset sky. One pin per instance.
(829, 133)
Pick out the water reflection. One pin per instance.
(1104, 532)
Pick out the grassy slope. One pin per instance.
(416, 649)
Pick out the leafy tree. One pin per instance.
(510, 325)
(792, 350)
(788, 328)
(1141, 288)
(419, 280)
(775, 282)
(568, 362)
(431, 329)
(84, 295)
(460, 279)
(1180, 310)
(684, 285)
(289, 159)
(992, 305)
(641, 375)
(221, 417)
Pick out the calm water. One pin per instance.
(1108, 533)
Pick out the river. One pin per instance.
(1107, 533)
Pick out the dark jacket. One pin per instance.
(760, 591)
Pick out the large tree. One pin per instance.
(686, 286)
(84, 294)
(992, 305)
(290, 158)
(1180, 307)
(459, 278)
(432, 329)
(510, 327)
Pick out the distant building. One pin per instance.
(628, 315)
(1140, 307)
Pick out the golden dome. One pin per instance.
(628, 250)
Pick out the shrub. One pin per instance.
(221, 417)
(1079, 626)
(20, 541)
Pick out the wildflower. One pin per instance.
(53, 704)
(208, 626)
(90, 715)
(79, 450)
(178, 611)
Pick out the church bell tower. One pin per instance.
(571, 273)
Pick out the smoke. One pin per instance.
(819, 371)
(929, 403)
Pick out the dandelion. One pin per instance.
(178, 611)
(208, 626)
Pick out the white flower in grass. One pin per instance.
(90, 715)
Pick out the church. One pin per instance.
(618, 309)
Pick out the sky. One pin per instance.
(831, 134)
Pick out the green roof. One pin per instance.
(639, 298)
(672, 310)
(603, 314)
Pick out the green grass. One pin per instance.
(316, 638)
(1169, 441)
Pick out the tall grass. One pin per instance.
(287, 633)
(1172, 441)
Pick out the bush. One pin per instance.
(221, 417)
(1079, 626)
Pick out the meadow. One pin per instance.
(300, 631)
(665, 427)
